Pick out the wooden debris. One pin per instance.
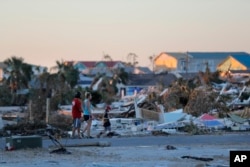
(169, 147)
(198, 158)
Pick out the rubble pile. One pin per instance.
(203, 100)
(172, 107)
(176, 97)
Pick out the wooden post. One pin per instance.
(137, 109)
(47, 109)
(30, 110)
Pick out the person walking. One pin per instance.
(87, 114)
(106, 122)
(76, 114)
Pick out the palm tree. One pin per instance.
(107, 57)
(67, 74)
(66, 79)
(20, 74)
(151, 59)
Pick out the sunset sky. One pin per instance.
(44, 31)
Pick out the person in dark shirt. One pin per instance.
(106, 122)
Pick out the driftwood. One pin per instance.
(198, 158)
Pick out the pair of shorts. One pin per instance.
(76, 123)
(86, 117)
(107, 128)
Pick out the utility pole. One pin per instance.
(132, 56)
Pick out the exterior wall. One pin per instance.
(231, 64)
(196, 65)
(181, 65)
(1, 74)
(2, 66)
(166, 62)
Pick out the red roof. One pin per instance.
(207, 117)
(92, 64)
(89, 64)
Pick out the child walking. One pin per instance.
(106, 122)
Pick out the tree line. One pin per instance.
(25, 84)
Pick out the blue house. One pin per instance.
(200, 60)
(235, 62)
(193, 62)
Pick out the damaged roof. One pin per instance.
(215, 55)
(151, 79)
(236, 118)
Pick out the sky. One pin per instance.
(45, 31)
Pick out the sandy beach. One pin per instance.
(157, 155)
(146, 156)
